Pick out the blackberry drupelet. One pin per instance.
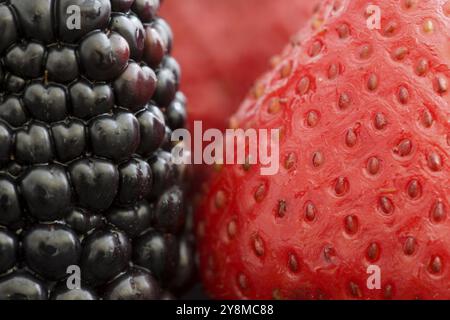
(86, 176)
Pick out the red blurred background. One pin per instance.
(224, 45)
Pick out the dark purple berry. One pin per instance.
(165, 31)
(166, 87)
(95, 183)
(33, 145)
(9, 246)
(104, 57)
(26, 60)
(171, 63)
(133, 220)
(135, 87)
(21, 286)
(49, 249)
(36, 18)
(146, 9)
(167, 144)
(131, 28)
(176, 114)
(154, 49)
(164, 172)
(63, 293)
(135, 284)
(6, 140)
(82, 221)
(14, 84)
(47, 192)
(152, 127)
(70, 139)
(62, 65)
(8, 26)
(135, 181)
(47, 103)
(158, 253)
(169, 210)
(105, 254)
(13, 112)
(10, 210)
(91, 100)
(115, 137)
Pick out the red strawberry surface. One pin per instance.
(364, 165)
(223, 45)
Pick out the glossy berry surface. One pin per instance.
(85, 102)
(364, 165)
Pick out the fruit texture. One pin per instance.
(364, 179)
(221, 61)
(89, 96)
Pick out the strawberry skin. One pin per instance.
(364, 165)
(221, 54)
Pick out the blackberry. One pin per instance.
(89, 94)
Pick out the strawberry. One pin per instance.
(364, 179)
(222, 53)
